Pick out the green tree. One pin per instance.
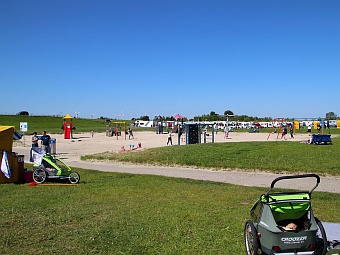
(228, 112)
(331, 116)
(145, 118)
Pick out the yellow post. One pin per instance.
(338, 124)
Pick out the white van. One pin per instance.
(144, 123)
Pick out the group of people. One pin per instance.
(45, 141)
(285, 131)
(132, 147)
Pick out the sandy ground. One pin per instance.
(82, 144)
(70, 150)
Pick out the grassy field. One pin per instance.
(53, 124)
(278, 157)
(112, 213)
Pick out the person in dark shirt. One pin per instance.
(45, 142)
(35, 140)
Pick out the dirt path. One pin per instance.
(257, 179)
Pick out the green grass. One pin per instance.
(278, 157)
(112, 213)
(53, 124)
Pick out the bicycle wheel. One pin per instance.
(74, 178)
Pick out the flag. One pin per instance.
(16, 136)
(5, 166)
(37, 155)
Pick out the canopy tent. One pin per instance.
(178, 116)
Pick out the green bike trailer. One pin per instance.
(283, 223)
(50, 167)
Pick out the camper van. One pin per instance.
(332, 123)
(144, 123)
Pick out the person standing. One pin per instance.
(169, 138)
(318, 127)
(35, 140)
(291, 131)
(309, 130)
(226, 132)
(130, 133)
(284, 132)
(45, 142)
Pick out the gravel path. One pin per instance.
(258, 179)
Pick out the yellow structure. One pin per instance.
(6, 138)
(68, 118)
(16, 163)
(338, 124)
(296, 124)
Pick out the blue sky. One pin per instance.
(136, 57)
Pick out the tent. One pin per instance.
(178, 116)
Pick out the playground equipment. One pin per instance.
(116, 130)
(177, 129)
(198, 133)
(14, 164)
(67, 126)
(284, 223)
(192, 132)
(278, 123)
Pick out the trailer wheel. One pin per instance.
(250, 238)
(322, 234)
(39, 175)
(74, 178)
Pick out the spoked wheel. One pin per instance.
(321, 234)
(39, 175)
(250, 238)
(74, 178)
